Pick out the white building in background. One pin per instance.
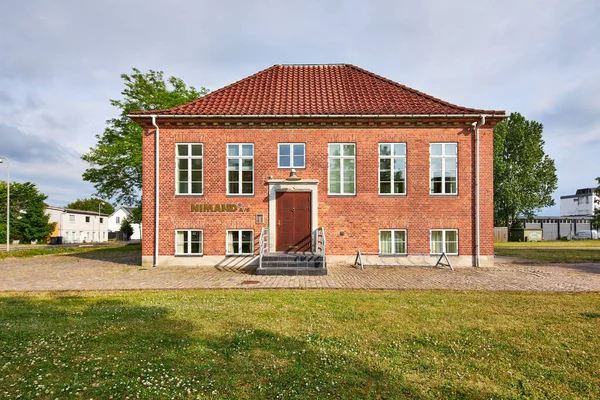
(582, 203)
(116, 218)
(78, 226)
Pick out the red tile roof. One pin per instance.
(335, 89)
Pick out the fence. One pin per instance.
(500, 234)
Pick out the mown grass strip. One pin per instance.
(549, 244)
(551, 255)
(300, 345)
(67, 250)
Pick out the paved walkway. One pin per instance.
(87, 271)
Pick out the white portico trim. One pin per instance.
(292, 185)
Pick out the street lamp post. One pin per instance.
(7, 201)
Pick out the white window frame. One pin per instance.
(72, 218)
(189, 232)
(189, 157)
(443, 157)
(292, 145)
(240, 157)
(341, 157)
(443, 241)
(392, 157)
(239, 253)
(88, 219)
(117, 220)
(393, 242)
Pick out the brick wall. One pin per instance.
(360, 217)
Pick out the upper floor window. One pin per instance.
(189, 168)
(101, 220)
(118, 220)
(443, 168)
(71, 218)
(240, 168)
(444, 241)
(392, 241)
(291, 155)
(392, 168)
(87, 219)
(188, 242)
(342, 168)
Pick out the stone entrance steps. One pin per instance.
(292, 264)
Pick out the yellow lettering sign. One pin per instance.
(197, 208)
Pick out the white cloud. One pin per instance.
(61, 61)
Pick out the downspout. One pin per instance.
(156, 189)
(477, 223)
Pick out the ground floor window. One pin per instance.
(392, 241)
(240, 242)
(444, 240)
(188, 242)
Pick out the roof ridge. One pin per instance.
(410, 89)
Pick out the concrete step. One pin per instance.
(292, 264)
(290, 271)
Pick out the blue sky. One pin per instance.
(60, 63)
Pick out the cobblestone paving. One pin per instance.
(89, 272)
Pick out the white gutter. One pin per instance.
(156, 188)
(477, 232)
(321, 116)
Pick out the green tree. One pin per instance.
(28, 218)
(91, 204)
(115, 162)
(126, 227)
(596, 219)
(524, 176)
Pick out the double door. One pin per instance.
(293, 222)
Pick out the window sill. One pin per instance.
(240, 195)
(393, 195)
(189, 255)
(288, 168)
(341, 195)
(393, 255)
(189, 195)
(439, 254)
(443, 195)
(239, 255)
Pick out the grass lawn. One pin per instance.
(556, 251)
(66, 250)
(300, 344)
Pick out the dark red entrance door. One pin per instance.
(293, 221)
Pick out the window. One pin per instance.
(240, 242)
(444, 241)
(101, 220)
(291, 155)
(71, 218)
(87, 219)
(342, 168)
(392, 241)
(392, 168)
(443, 168)
(118, 220)
(188, 242)
(189, 168)
(240, 169)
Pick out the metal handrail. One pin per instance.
(263, 244)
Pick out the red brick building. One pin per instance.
(378, 166)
